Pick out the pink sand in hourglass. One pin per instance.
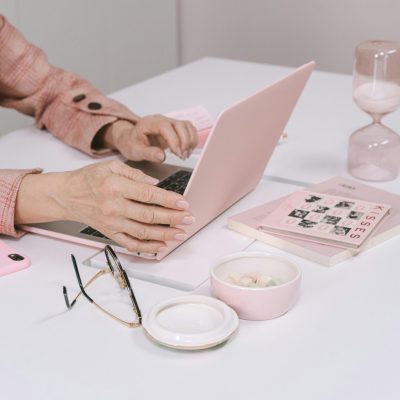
(377, 97)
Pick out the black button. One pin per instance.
(79, 98)
(94, 106)
(16, 257)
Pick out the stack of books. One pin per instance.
(328, 223)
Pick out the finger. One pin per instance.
(145, 232)
(149, 194)
(194, 136)
(133, 145)
(159, 141)
(152, 153)
(164, 128)
(183, 135)
(122, 169)
(137, 246)
(156, 215)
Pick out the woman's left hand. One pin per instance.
(148, 139)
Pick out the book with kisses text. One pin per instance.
(327, 224)
(323, 218)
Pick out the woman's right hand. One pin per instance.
(119, 201)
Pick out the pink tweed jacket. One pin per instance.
(61, 102)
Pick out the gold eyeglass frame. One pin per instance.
(115, 269)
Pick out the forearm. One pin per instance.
(37, 198)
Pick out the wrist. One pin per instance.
(37, 198)
(104, 138)
(108, 136)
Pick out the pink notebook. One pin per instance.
(323, 218)
(248, 222)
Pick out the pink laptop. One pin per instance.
(231, 164)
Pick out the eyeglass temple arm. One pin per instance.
(78, 276)
(133, 298)
(109, 252)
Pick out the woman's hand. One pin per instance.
(148, 139)
(117, 200)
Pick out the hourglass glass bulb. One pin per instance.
(374, 150)
(377, 97)
(377, 93)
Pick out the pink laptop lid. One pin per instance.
(239, 147)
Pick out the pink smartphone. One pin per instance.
(11, 260)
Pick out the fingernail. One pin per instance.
(162, 249)
(185, 154)
(188, 220)
(160, 156)
(184, 205)
(180, 236)
(150, 180)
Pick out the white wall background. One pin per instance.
(286, 32)
(115, 43)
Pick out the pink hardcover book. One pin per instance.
(249, 222)
(323, 218)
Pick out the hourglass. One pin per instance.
(374, 150)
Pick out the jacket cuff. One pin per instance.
(10, 181)
(79, 115)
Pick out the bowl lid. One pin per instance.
(191, 322)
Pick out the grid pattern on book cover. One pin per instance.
(322, 217)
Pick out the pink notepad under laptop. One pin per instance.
(203, 122)
(199, 117)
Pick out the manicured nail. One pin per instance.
(161, 250)
(150, 180)
(188, 220)
(178, 152)
(160, 156)
(181, 236)
(182, 204)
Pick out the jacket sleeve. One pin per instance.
(61, 102)
(9, 185)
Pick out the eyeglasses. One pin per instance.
(116, 270)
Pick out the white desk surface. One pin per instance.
(339, 342)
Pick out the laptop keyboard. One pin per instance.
(176, 182)
(92, 232)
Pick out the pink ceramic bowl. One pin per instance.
(257, 303)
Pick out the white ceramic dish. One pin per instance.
(191, 322)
